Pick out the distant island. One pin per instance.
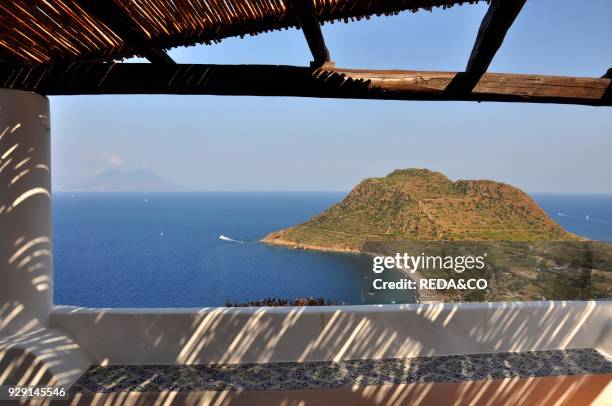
(136, 180)
(419, 204)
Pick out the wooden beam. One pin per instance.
(269, 80)
(305, 14)
(108, 12)
(491, 34)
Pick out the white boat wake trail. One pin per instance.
(224, 238)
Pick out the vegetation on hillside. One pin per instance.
(529, 256)
(541, 270)
(418, 204)
(276, 302)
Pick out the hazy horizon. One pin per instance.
(184, 189)
(223, 143)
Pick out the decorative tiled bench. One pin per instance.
(319, 375)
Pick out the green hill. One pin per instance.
(418, 204)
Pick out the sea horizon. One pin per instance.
(65, 191)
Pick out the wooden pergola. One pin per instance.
(62, 47)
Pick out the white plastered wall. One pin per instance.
(30, 352)
(211, 335)
(26, 263)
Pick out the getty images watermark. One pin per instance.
(412, 263)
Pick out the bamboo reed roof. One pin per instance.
(58, 47)
(45, 31)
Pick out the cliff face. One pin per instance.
(418, 204)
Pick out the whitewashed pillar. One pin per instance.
(26, 261)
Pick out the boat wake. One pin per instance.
(224, 238)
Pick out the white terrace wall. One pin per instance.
(26, 265)
(171, 336)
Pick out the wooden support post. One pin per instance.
(491, 35)
(305, 14)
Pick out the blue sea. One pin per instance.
(164, 250)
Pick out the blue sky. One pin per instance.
(249, 143)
